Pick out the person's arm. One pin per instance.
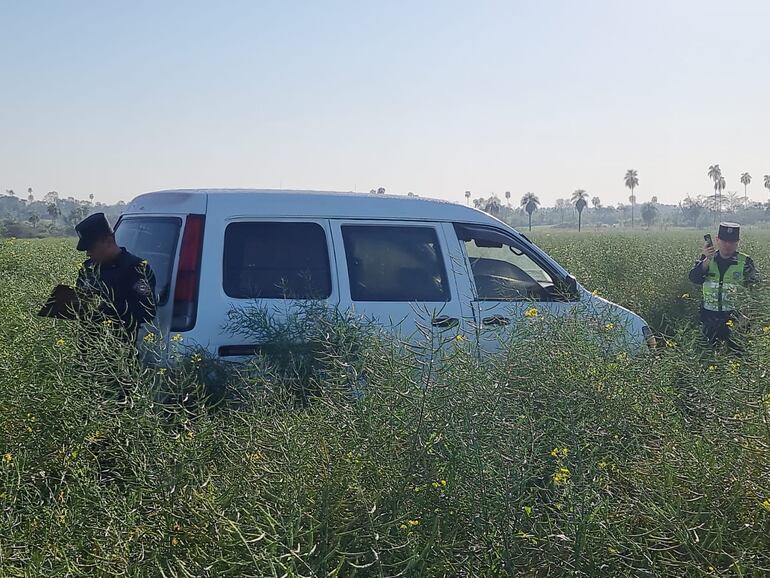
(141, 298)
(698, 272)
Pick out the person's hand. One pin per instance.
(708, 251)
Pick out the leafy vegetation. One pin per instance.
(547, 459)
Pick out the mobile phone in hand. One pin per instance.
(707, 238)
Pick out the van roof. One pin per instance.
(322, 204)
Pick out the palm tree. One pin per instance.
(720, 186)
(467, 197)
(529, 203)
(745, 180)
(596, 202)
(767, 182)
(508, 197)
(579, 198)
(714, 174)
(632, 181)
(492, 206)
(33, 220)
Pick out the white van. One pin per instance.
(398, 260)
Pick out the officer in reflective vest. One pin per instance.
(725, 273)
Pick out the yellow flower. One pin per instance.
(561, 475)
(177, 338)
(685, 295)
(7, 458)
(559, 452)
(712, 367)
(595, 292)
(403, 526)
(766, 329)
(60, 342)
(174, 541)
(149, 338)
(459, 338)
(729, 323)
(766, 504)
(257, 456)
(443, 483)
(413, 522)
(107, 322)
(531, 312)
(144, 263)
(609, 326)
(196, 358)
(162, 371)
(670, 343)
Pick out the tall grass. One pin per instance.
(358, 456)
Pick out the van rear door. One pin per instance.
(156, 239)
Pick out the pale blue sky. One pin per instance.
(118, 98)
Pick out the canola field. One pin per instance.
(550, 458)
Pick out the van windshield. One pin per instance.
(154, 239)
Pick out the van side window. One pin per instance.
(394, 263)
(276, 260)
(502, 271)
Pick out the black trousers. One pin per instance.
(716, 327)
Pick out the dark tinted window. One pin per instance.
(390, 263)
(276, 261)
(154, 239)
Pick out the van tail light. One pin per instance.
(188, 275)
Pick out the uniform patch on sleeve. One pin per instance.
(142, 287)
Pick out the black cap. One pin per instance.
(91, 229)
(729, 231)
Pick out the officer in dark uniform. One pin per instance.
(725, 274)
(124, 283)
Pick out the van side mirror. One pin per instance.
(564, 290)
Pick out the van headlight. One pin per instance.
(649, 337)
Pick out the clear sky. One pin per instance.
(117, 98)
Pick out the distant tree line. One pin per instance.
(49, 215)
(695, 210)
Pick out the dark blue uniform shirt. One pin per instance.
(126, 287)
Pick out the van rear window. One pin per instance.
(276, 260)
(154, 239)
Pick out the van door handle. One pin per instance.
(496, 320)
(444, 321)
